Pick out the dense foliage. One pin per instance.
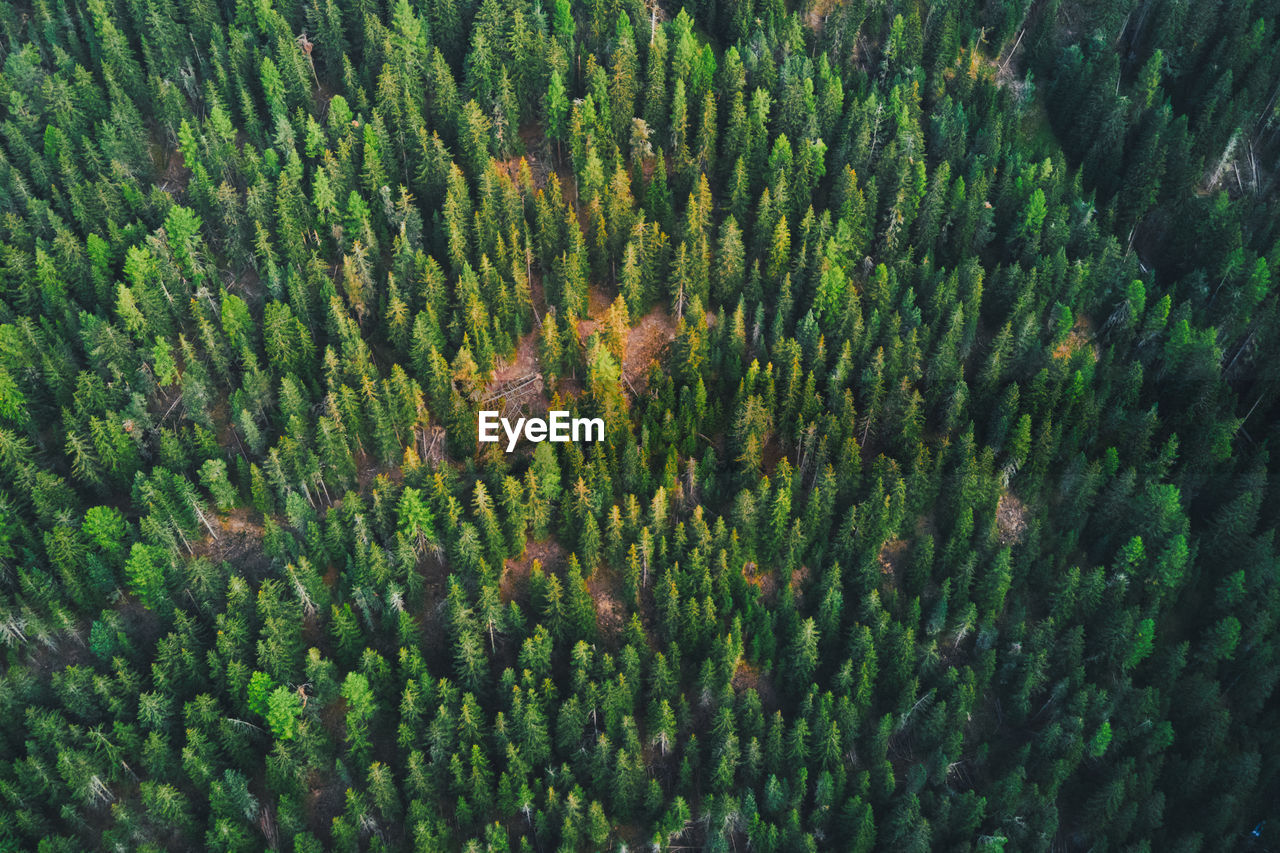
(944, 518)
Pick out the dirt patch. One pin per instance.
(891, 557)
(765, 581)
(524, 362)
(240, 521)
(816, 18)
(645, 344)
(597, 306)
(771, 454)
(518, 380)
(433, 570)
(174, 174)
(368, 469)
(569, 193)
(800, 579)
(598, 302)
(1011, 519)
(248, 282)
(536, 159)
(513, 583)
(239, 542)
(649, 165)
(513, 166)
(749, 676)
(611, 615)
(1080, 337)
(165, 403)
(223, 427)
(1006, 69)
(646, 339)
(537, 295)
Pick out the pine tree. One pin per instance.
(556, 110)
(144, 571)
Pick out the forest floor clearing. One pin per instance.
(647, 339)
(800, 581)
(513, 583)
(535, 156)
(1011, 518)
(892, 555)
(611, 614)
(524, 362)
(761, 580)
(1080, 336)
(816, 17)
(645, 344)
(749, 676)
(766, 580)
(238, 540)
(174, 174)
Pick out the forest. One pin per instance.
(937, 348)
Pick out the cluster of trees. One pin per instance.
(945, 522)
